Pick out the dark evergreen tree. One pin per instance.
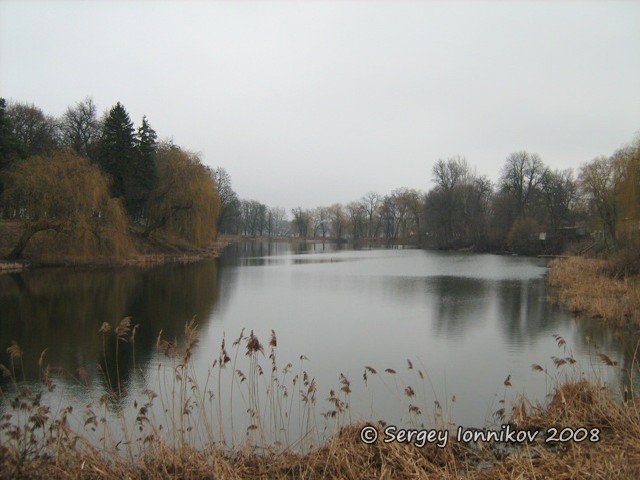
(10, 146)
(144, 170)
(117, 149)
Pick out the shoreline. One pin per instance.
(583, 286)
(191, 255)
(140, 260)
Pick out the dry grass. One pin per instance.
(583, 286)
(38, 440)
(616, 455)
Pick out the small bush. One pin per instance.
(623, 264)
(523, 236)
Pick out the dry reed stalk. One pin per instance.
(44, 444)
(582, 287)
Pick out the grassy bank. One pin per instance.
(47, 249)
(48, 440)
(597, 288)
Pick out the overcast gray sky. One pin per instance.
(314, 103)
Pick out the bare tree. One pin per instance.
(338, 221)
(450, 172)
(229, 203)
(371, 202)
(277, 224)
(389, 217)
(558, 197)
(80, 127)
(253, 217)
(411, 202)
(357, 213)
(321, 220)
(521, 176)
(301, 221)
(37, 132)
(399, 198)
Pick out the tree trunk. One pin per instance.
(29, 231)
(152, 227)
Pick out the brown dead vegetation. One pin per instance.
(44, 444)
(579, 403)
(597, 288)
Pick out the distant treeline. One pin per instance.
(92, 183)
(531, 209)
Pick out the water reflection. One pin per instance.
(472, 319)
(257, 253)
(62, 310)
(524, 312)
(460, 302)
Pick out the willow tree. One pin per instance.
(66, 194)
(599, 181)
(184, 202)
(628, 193)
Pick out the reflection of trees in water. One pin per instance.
(63, 309)
(165, 299)
(302, 247)
(257, 252)
(524, 315)
(523, 311)
(618, 343)
(251, 253)
(315, 247)
(459, 302)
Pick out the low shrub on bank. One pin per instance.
(623, 264)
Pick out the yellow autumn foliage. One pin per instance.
(64, 199)
(185, 202)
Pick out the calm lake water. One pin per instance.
(466, 320)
